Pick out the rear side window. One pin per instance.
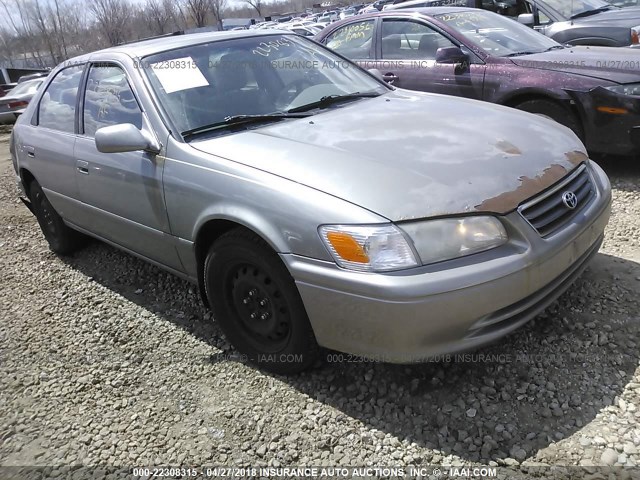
(109, 100)
(353, 40)
(57, 107)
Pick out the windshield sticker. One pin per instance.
(357, 33)
(266, 48)
(179, 74)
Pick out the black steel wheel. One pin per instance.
(257, 304)
(62, 239)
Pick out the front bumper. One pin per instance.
(607, 128)
(412, 315)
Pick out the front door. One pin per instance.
(406, 56)
(122, 190)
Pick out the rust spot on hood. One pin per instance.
(508, 147)
(529, 187)
(576, 157)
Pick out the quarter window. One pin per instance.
(402, 39)
(57, 107)
(109, 100)
(353, 40)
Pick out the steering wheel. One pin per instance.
(291, 90)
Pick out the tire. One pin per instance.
(554, 111)
(257, 305)
(62, 239)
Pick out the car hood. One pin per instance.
(616, 64)
(407, 155)
(622, 17)
(15, 98)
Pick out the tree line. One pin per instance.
(40, 33)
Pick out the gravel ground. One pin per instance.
(106, 360)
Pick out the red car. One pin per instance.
(595, 91)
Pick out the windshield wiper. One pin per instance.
(516, 54)
(332, 99)
(555, 47)
(242, 120)
(588, 13)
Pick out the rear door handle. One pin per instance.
(82, 167)
(31, 152)
(390, 77)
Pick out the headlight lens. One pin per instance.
(628, 89)
(447, 238)
(368, 248)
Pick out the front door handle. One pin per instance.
(82, 167)
(390, 77)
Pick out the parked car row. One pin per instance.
(13, 103)
(312, 203)
(575, 22)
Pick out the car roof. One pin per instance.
(151, 46)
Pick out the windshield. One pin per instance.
(205, 84)
(498, 35)
(28, 87)
(570, 8)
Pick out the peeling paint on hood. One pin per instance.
(409, 155)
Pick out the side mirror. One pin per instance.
(451, 55)
(376, 73)
(526, 19)
(124, 137)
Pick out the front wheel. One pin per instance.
(62, 239)
(257, 304)
(554, 111)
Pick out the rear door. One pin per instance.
(48, 145)
(122, 190)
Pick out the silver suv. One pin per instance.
(311, 203)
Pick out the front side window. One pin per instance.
(202, 85)
(57, 107)
(406, 39)
(109, 100)
(353, 40)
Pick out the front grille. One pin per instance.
(548, 212)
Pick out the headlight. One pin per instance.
(447, 238)
(628, 89)
(368, 248)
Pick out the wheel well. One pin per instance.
(209, 233)
(566, 103)
(518, 99)
(27, 177)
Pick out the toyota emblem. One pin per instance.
(570, 200)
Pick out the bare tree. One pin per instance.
(217, 8)
(198, 10)
(257, 5)
(112, 17)
(161, 16)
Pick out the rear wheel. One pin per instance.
(62, 239)
(554, 111)
(257, 304)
